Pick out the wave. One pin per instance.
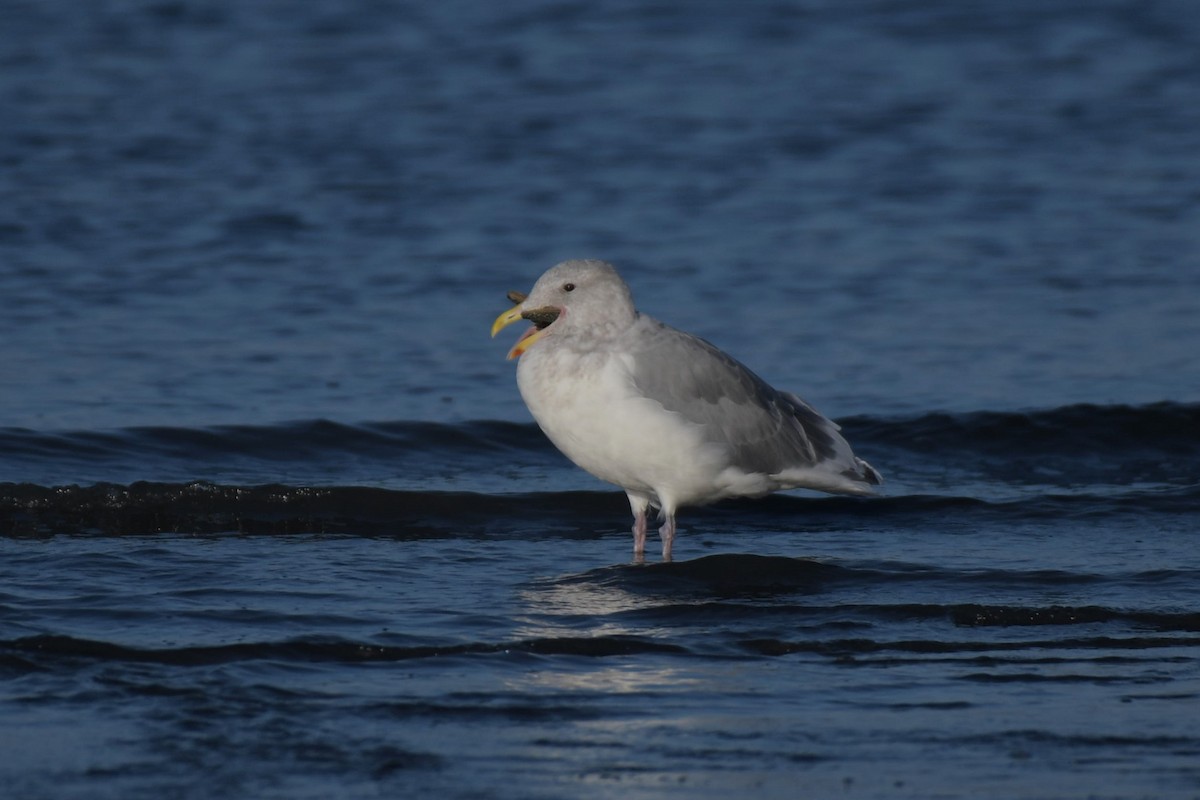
(1140, 632)
(1137, 631)
(58, 648)
(289, 441)
(148, 508)
(730, 575)
(299, 453)
(1171, 429)
(436, 479)
(1109, 430)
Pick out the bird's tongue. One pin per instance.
(541, 317)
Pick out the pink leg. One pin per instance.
(639, 533)
(667, 533)
(638, 505)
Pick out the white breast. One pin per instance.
(586, 404)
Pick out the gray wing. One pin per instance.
(763, 430)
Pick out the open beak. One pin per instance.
(540, 317)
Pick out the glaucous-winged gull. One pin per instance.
(663, 414)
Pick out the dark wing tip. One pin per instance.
(869, 473)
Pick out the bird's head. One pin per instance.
(573, 298)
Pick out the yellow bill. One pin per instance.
(541, 317)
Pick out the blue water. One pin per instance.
(274, 522)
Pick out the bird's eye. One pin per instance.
(568, 287)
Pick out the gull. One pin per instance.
(661, 413)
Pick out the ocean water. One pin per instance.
(275, 523)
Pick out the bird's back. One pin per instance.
(763, 431)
